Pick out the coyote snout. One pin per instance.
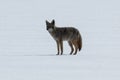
(61, 34)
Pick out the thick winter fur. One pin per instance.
(61, 34)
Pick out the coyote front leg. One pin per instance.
(61, 46)
(57, 47)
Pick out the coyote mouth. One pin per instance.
(50, 30)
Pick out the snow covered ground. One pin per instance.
(27, 51)
(59, 67)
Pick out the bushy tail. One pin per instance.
(79, 42)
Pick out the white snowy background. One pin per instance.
(27, 51)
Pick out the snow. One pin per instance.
(59, 67)
(27, 51)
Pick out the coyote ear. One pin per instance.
(53, 22)
(47, 22)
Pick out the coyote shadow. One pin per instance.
(27, 55)
(51, 55)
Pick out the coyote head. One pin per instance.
(50, 26)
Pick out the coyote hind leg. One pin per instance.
(76, 47)
(71, 46)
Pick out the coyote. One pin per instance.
(61, 34)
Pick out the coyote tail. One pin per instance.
(79, 42)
